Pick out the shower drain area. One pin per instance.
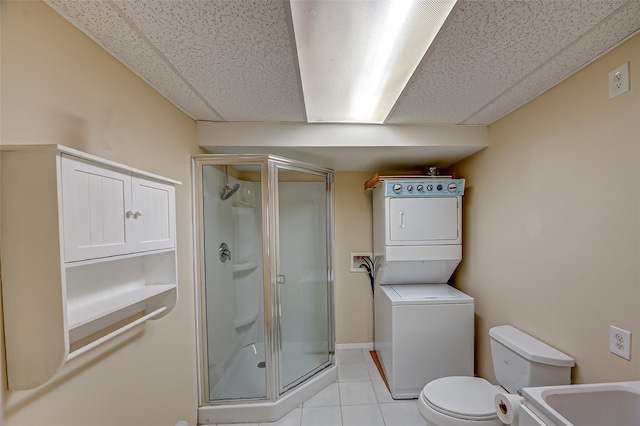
(243, 377)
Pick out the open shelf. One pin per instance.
(80, 314)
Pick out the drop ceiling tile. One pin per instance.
(236, 61)
(486, 48)
(104, 25)
(622, 23)
(237, 54)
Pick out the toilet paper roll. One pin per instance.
(507, 407)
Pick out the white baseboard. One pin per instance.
(366, 346)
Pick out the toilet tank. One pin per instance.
(520, 360)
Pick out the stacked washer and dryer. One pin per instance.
(424, 327)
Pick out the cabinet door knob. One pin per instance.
(138, 213)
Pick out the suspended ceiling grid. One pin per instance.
(236, 60)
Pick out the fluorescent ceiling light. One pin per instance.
(356, 57)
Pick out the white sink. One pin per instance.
(614, 404)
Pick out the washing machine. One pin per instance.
(424, 327)
(423, 332)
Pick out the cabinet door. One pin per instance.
(95, 202)
(154, 214)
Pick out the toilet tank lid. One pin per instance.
(529, 347)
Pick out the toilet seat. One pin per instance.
(466, 398)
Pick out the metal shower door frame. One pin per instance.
(277, 163)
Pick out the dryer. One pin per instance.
(423, 326)
(417, 230)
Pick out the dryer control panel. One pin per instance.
(424, 187)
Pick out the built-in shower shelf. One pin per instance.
(247, 266)
(88, 253)
(250, 318)
(243, 203)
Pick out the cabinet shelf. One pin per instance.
(88, 252)
(81, 314)
(115, 258)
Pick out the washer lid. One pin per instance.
(470, 398)
(424, 294)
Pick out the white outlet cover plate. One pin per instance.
(621, 84)
(620, 342)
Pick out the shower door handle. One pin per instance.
(280, 279)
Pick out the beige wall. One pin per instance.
(353, 233)
(60, 87)
(552, 221)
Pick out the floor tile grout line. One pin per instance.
(342, 407)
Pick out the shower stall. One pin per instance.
(264, 249)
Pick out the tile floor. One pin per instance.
(358, 398)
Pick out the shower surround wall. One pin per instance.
(234, 298)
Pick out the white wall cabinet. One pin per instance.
(88, 252)
(108, 212)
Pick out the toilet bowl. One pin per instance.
(519, 361)
(459, 401)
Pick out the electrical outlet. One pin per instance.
(620, 342)
(619, 80)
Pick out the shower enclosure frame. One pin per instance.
(279, 399)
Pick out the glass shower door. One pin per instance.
(304, 281)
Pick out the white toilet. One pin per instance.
(519, 361)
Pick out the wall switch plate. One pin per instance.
(620, 342)
(619, 80)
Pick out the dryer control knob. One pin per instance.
(397, 188)
(410, 188)
(452, 187)
(420, 188)
(429, 187)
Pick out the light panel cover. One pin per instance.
(357, 56)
